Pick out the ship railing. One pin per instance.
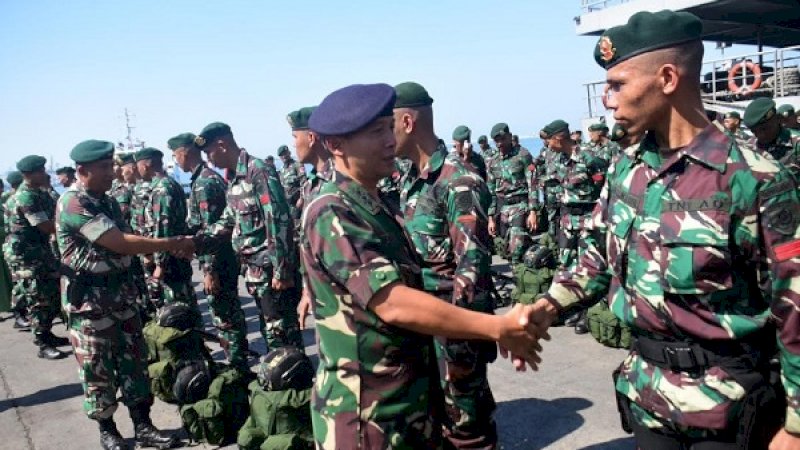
(588, 6)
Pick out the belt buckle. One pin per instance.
(681, 359)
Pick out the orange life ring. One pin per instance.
(744, 88)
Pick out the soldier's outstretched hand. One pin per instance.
(492, 227)
(520, 336)
(783, 440)
(182, 247)
(540, 316)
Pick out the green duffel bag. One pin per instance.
(285, 442)
(286, 412)
(529, 283)
(162, 377)
(606, 328)
(250, 437)
(205, 421)
(217, 419)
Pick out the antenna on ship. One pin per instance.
(132, 143)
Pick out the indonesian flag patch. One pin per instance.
(264, 199)
(788, 250)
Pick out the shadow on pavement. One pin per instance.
(531, 423)
(627, 443)
(44, 396)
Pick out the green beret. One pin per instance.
(270, 158)
(283, 149)
(91, 150)
(298, 120)
(212, 131)
(411, 95)
(148, 153)
(181, 140)
(617, 132)
(646, 32)
(758, 111)
(65, 170)
(555, 126)
(125, 158)
(461, 133)
(14, 178)
(483, 139)
(598, 127)
(31, 163)
(732, 115)
(785, 110)
(498, 130)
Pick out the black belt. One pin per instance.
(691, 356)
(577, 209)
(514, 199)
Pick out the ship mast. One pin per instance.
(132, 143)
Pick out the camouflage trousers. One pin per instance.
(553, 214)
(111, 354)
(278, 320)
(38, 294)
(511, 225)
(228, 318)
(570, 243)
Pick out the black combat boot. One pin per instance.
(572, 320)
(147, 435)
(46, 350)
(110, 439)
(20, 321)
(48, 338)
(582, 326)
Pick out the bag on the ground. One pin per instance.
(534, 275)
(606, 328)
(500, 247)
(280, 403)
(216, 417)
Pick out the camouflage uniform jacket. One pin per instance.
(785, 149)
(5, 196)
(99, 282)
(509, 178)
(140, 198)
(605, 151)
(702, 246)
(552, 171)
(374, 380)
(293, 176)
(583, 173)
(444, 210)
(738, 134)
(26, 245)
(489, 155)
(314, 182)
(389, 187)
(167, 215)
(122, 193)
(258, 214)
(206, 206)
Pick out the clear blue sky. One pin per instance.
(69, 68)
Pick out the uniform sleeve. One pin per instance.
(347, 251)
(491, 183)
(533, 185)
(208, 208)
(33, 209)
(778, 256)
(75, 218)
(277, 221)
(466, 208)
(164, 224)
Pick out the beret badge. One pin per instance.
(607, 49)
(199, 141)
(290, 120)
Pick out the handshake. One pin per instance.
(523, 327)
(181, 246)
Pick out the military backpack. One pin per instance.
(216, 415)
(606, 328)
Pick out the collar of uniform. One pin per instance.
(356, 192)
(512, 153)
(197, 171)
(241, 164)
(711, 148)
(435, 162)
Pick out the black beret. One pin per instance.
(31, 163)
(148, 153)
(351, 108)
(411, 95)
(14, 178)
(759, 110)
(499, 129)
(645, 32)
(598, 127)
(786, 110)
(212, 131)
(65, 170)
(461, 133)
(556, 126)
(283, 149)
(181, 140)
(298, 120)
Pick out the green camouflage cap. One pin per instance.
(645, 32)
(498, 130)
(411, 95)
(211, 131)
(31, 163)
(461, 133)
(598, 127)
(758, 111)
(148, 153)
(14, 178)
(181, 140)
(617, 132)
(732, 115)
(785, 110)
(555, 126)
(298, 120)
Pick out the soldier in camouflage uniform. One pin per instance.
(166, 216)
(270, 162)
(487, 152)
(550, 170)
(697, 246)
(599, 143)
(99, 298)
(293, 175)
(262, 229)
(731, 121)
(377, 385)
(309, 151)
(34, 267)
(513, 208)
(19, 305)
(770, 137)
(14, 179)
(788, 117)
(123, 185)
(389, 187)
(220, 268)
(444, 207)
(464, 152)
(66, 176)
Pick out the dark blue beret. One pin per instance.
(31, 163)
(351, 108)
